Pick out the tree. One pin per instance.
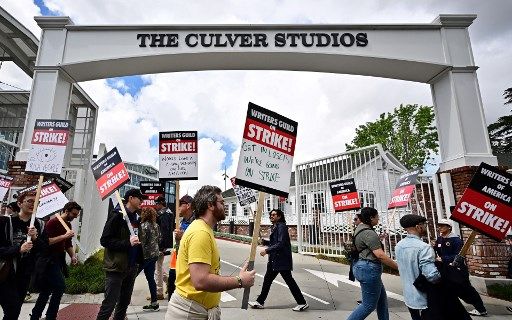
(500, 132)
(408, 133)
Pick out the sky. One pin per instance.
(328, 107)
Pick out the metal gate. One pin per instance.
(375, 171)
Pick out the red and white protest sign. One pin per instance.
(5, 184)
(48, 147)
(344, 195)
(51, 199)
(110, 173)
(153, 190)
(486, 204)
(403, 189)
(244, 195)
(266, 155)
(178, 155)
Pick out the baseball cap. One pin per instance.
(411, 220)
(160, 199)
(186, 199)
(446, 222)
(134, 193)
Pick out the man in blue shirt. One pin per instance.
(415, 257)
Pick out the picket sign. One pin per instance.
(123, 210)
(174, 253)
(254, 244)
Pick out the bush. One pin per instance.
(88, 277)
(500, 291)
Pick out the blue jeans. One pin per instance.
(55, 286)
(149, 267)
(373, 292)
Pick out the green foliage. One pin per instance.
(408, 133)
(88, 277)
(500, 132)
(500, 291)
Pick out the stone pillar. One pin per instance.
(486, 257)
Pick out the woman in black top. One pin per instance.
(279, 251)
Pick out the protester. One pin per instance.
(20, 255)
(357, 220)
(149, 237)
(53, 267)
(368, 268)
(185, 212)
(122, 256)
(415, 258)
(198, 279)
(166, 222)
(12, 209)
(279, 252)
(447, 246)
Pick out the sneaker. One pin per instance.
(151, 307)
(27, 297)
(256, 305)
(509, 309)
(475, 312)
(359, 302)
(300, 307)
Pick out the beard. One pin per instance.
(219, 214)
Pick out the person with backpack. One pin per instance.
(19, 254)
(166, 221)
(368, 267)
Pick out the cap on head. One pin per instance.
(445, 222)
(160, 200)
(134, 193)
(411, 220)
(186, 199)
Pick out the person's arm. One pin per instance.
(427, 266)
(372, 242)
(383, 257)
(72, 255)
(203, 280)
(108, 238)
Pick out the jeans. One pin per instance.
(118, 293)
(55, 286)
(149, 271)
(373, 292)
(270, 275)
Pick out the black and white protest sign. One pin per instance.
(344, 195)
(110, 173)
(245, 196)
(178, 155)
(486, 204)
(403, 189)
(266, 155)
(153, 190)
(5, 184)
(51, 198)
(48, 147)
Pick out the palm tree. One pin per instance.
(500, 132)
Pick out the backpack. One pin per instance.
(353, 253)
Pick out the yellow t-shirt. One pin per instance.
(197, 246)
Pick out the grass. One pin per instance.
(500, 291)
(88, 277)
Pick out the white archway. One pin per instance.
(438, 54)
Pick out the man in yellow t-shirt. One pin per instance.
(198, 279)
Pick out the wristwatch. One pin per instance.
(240, 284)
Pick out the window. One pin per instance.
(246, 211)
(367, 198)
(233, 209)
(280, 205)
(319, 201)
(226, 210)
(268, 205)
(303, 203)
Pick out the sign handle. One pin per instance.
(123, 210)
(254, 244)
(64, 224)
(177, 202)
(459, 259)
(36, 202)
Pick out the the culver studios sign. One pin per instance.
(254, 40)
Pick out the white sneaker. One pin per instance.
(475, 312)
(300, 307)
(256, 305)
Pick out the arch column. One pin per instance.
(51, 87)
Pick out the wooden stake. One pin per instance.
(64, 224)
(254, 244)
(177, 201)
(468, 243)
(36, 202)
(125, 215)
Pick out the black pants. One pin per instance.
(469, 295)
(55, 286)
(171, 286)
(417, 314)
(270, 275)
(9, 299)
(118, 293)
